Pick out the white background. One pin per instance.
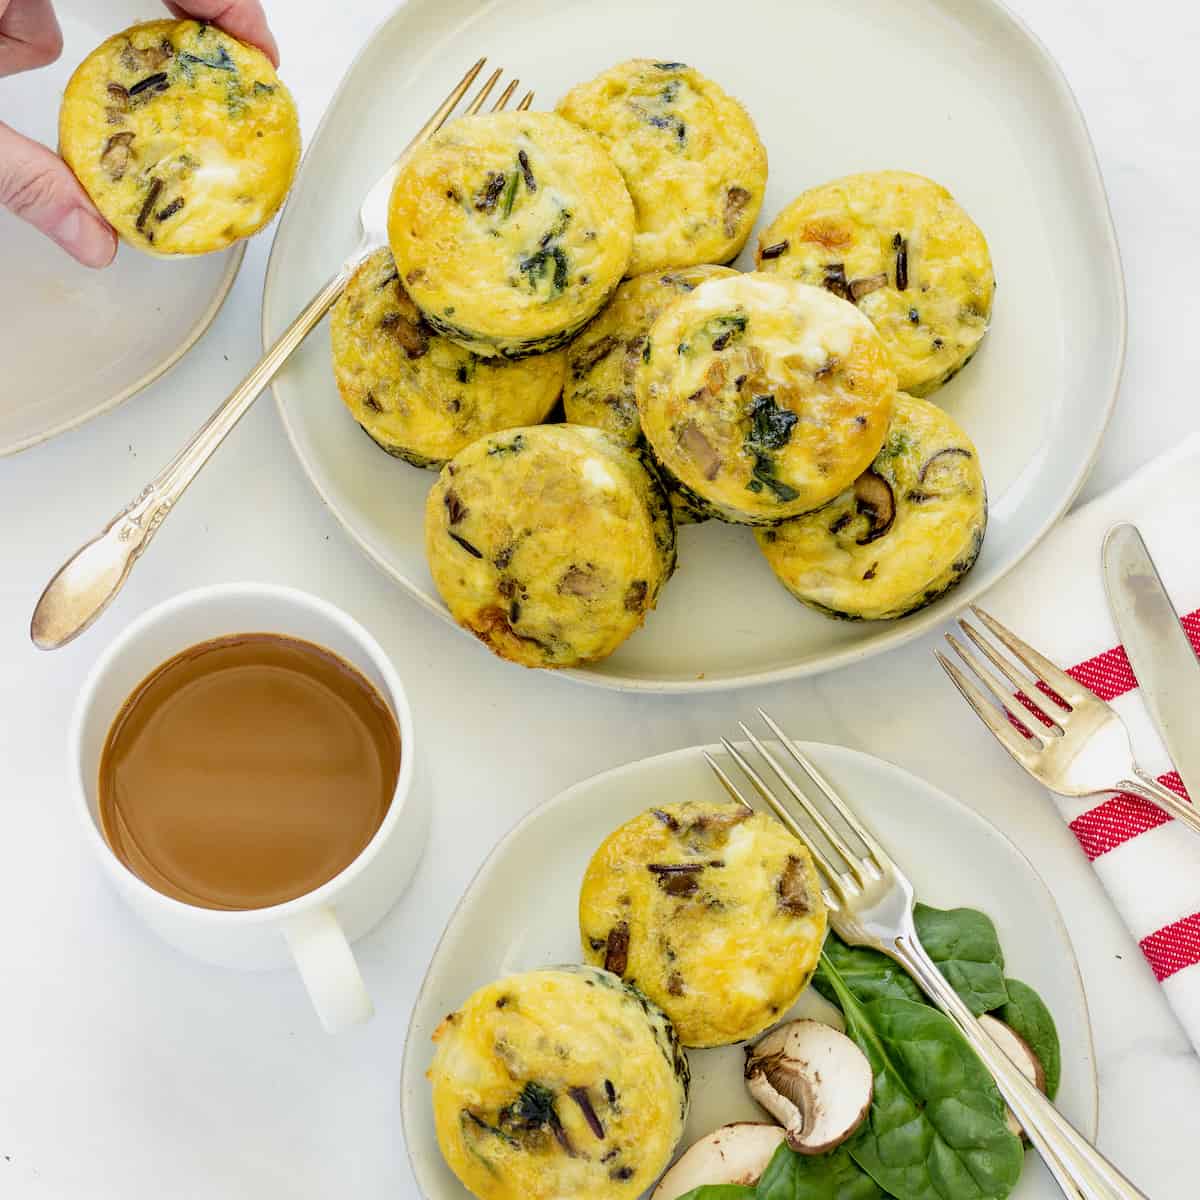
(126, 1070)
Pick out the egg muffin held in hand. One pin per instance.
(184, 137)
(712, 911)
(764, 398)
(558, 1084)
(510, 230)
(907, 531)
(417, 394)
(602, 362)
(689, 153)
(549, 543)
(899, 247)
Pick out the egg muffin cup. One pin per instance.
(690, 155)
(562, 1082)
(418, 395)
(713, 912)
(764, 398)
(900, 248)
(184, 137)
(510, 231)
(908, 530)
(549, 543)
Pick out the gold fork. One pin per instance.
(870, 902)
(87, 582)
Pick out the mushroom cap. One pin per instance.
(1021, 1053)
(736, 1153)
(814, 1080)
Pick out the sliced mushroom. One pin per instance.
(859, 288)
(580, 581)
(873, 496)
(941, 461)
(792, 888)
(693, 442)
(114, 158)
(732, 1154)
(1021, 1053)
(812, 1079)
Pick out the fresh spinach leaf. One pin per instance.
(868, 974)
(963, 943)
(1026, 1013)
(936, 1128)
(720, 1191)
(792, 1176)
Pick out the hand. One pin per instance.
(35, 184)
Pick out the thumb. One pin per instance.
(37, 186)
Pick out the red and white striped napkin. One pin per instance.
(1055, 600)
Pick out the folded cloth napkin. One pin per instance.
(1055, 600)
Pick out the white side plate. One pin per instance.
(76, 342)
(955, 89)
(520, 913)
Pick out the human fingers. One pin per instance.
(37, 186)
(244, 19)
(29, 35)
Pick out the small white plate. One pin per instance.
(520, 913)
(956, 89)
(76, 342)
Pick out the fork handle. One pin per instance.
(1081, 1170)
(1148, 788)
(85, 585)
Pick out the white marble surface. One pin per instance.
(129, 1071)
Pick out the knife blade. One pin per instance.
(1167, 669)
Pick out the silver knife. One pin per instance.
(1167, 670)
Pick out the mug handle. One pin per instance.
(326, 964)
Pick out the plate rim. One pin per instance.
(901, 631)
(1089, 1127)
(197, 330)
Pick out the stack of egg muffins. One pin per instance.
(582, 255)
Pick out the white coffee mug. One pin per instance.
(315, 930)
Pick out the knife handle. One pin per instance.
(1148, 788)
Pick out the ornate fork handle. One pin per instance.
(87, 582)
(1148, 788)
(1081, 1170)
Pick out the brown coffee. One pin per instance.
(247, 771)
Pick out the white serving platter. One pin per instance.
(76, 342)
(520, 910)
(958, 90)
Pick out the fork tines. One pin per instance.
(443, 111)
(1040, 690)
(846, 869)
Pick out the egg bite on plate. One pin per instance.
(763, 397)
(907, 531)
(184, 137)
(899, 247)
(510, 230)
(417, 394)
(549, 543)
(712, 911)
(602, 362)
(689, 153)
(558, 1084)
